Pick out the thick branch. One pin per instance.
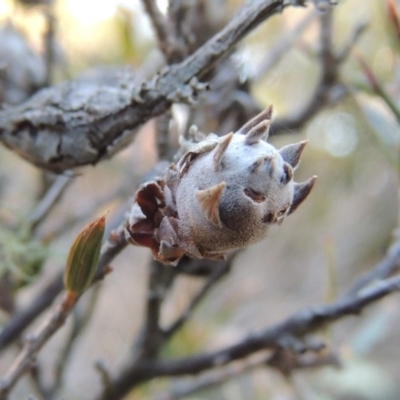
(78, 123)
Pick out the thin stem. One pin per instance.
(216, 275)
(21, 320)
(35, 342)
(166, 41)
(49, 42)
(50, 199)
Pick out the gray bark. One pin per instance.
(81, 122)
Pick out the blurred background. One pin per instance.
(341, 231)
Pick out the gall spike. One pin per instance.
(255, 134)
(262, 116)
(292, 152)
(209, 201)
(301, 191)
(221, 148)
(223, 194)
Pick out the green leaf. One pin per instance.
(84, 256)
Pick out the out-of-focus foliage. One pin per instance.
(20, 254)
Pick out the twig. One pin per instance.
(22, 319)
(49, 42)
(281, 48)
(80, 322)
(221, 375)
(57, 318)
(355, 35)
(219, 271)
(34, 343)
(161, 278)
(36, 379)
(166, 40)
(216, 377)
(50, 199)
(162, 134)
(286, 361)
(329, 88)
(297, 326)
(101, 367)
(389, 266)
(152, 336)
(183, 17)
(377, 87)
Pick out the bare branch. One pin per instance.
(152, 336)
(49, 41)
(50, 199)
(296, 326)
(389, 266)
(166, 40)
(357, 32)
(216, 377)
(280, 49)
(34, 343)
(220, 270)
(329, 89)
(22, 319)
(259, 360)
(162, 134)
(35, 375)
(113, 246)
(75, 123)
(102, 368)
(81, 318)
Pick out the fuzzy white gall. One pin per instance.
(224, 193)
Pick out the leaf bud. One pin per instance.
(83, 257)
